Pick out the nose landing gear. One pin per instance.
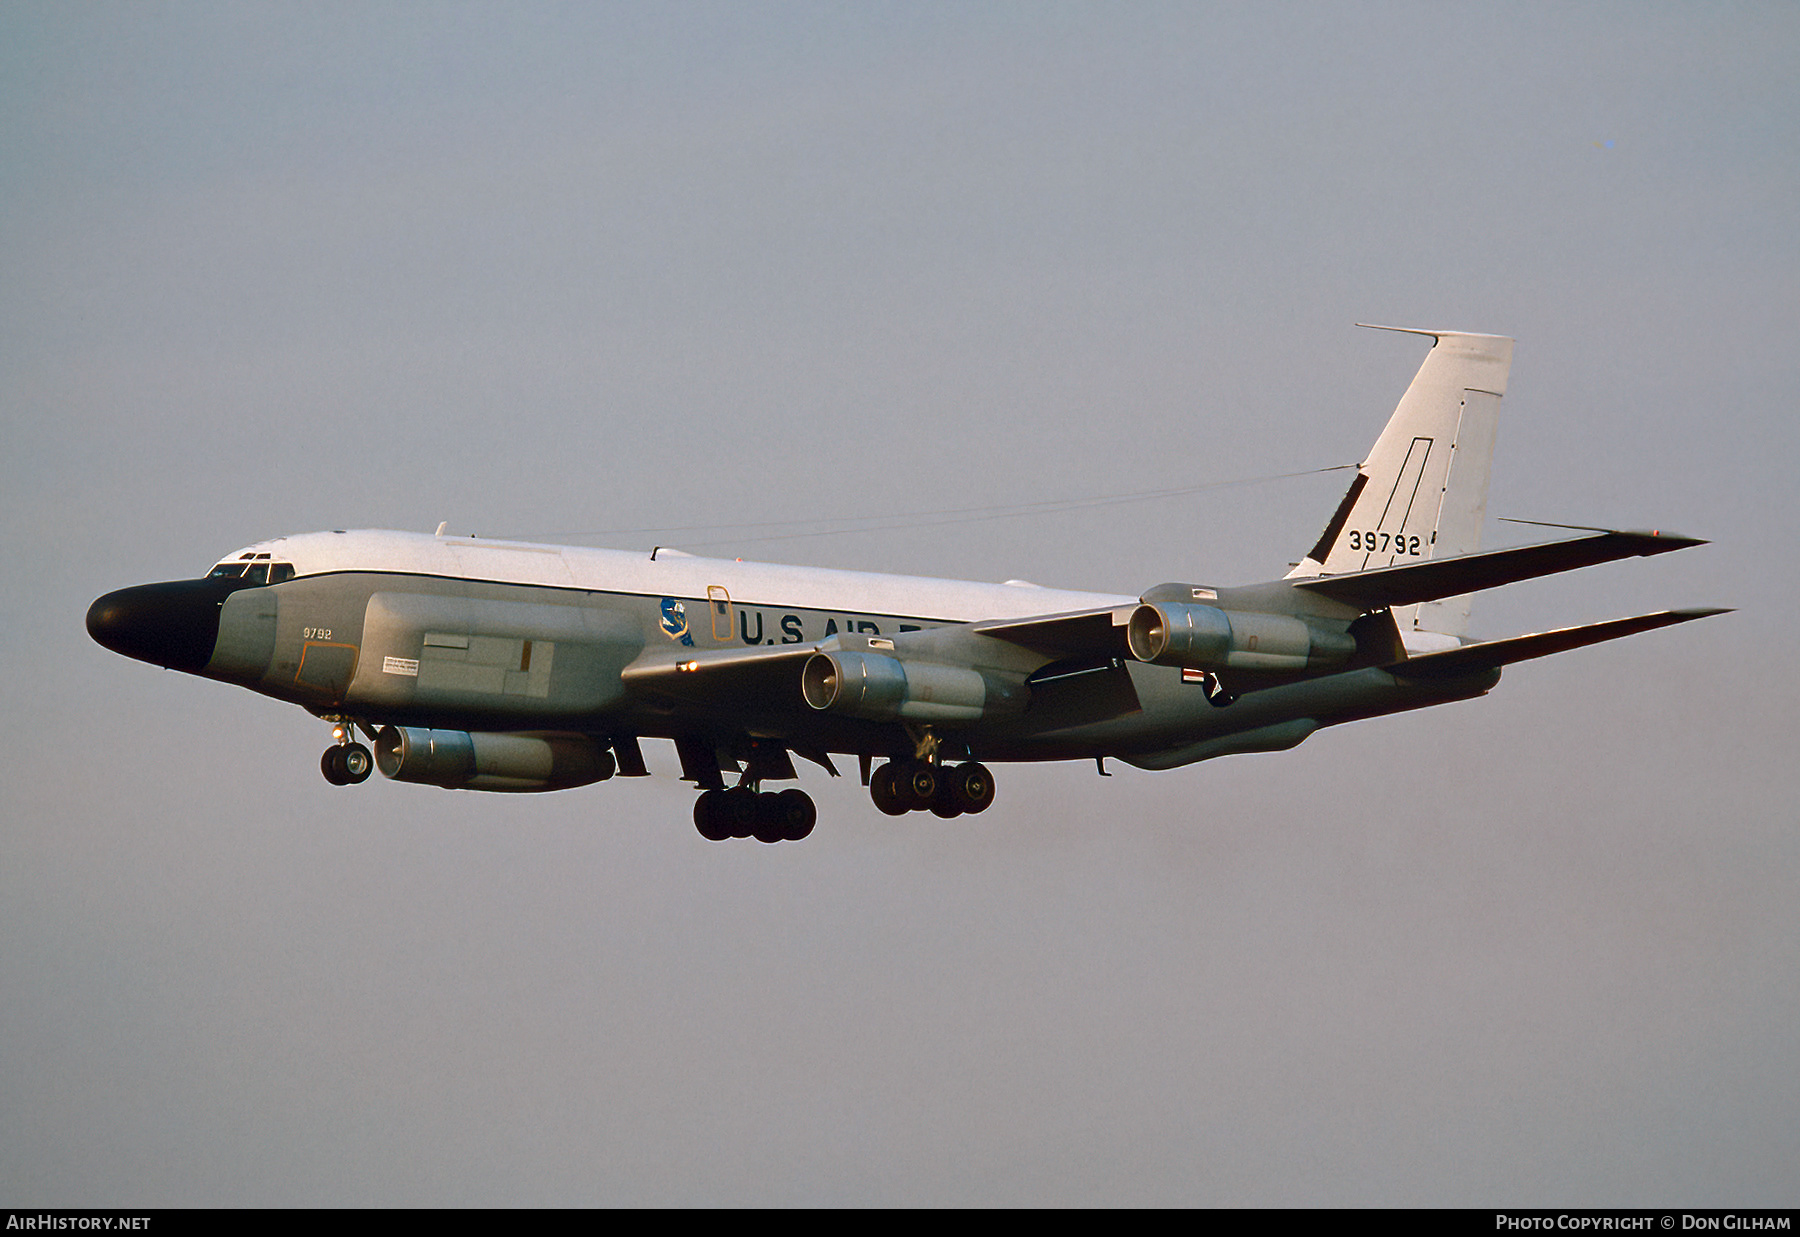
(347, 762)
(346, 765)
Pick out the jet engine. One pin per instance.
(882, 688)
(1171, 633)
(459, 760)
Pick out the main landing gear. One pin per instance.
(767, 816)
(347, 762)
(902, 786)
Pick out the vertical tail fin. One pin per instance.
(1422, 491)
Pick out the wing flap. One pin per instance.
(1467, 573)
(1491, 654)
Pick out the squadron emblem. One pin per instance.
(674, 621)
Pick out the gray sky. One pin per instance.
(540, 269)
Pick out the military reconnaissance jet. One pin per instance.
(495, 665)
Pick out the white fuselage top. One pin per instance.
(671, 573)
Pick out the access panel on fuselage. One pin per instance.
(508, 653)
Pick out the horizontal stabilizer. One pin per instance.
(1473, 658)
(1468, 573)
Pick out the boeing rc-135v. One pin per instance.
(493, 665)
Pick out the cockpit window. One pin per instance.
(253, 572)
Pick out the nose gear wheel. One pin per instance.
(347, 764)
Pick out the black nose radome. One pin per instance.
(174, 625)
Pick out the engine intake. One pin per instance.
(1169, 633)
(459, 760)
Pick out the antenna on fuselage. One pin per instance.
(442, 525)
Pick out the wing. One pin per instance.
(1047, 660)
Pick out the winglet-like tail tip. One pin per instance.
(1667, 540)
(1663, 539)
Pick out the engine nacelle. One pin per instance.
(881, 688)
(1170, 633)
(459, 760)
